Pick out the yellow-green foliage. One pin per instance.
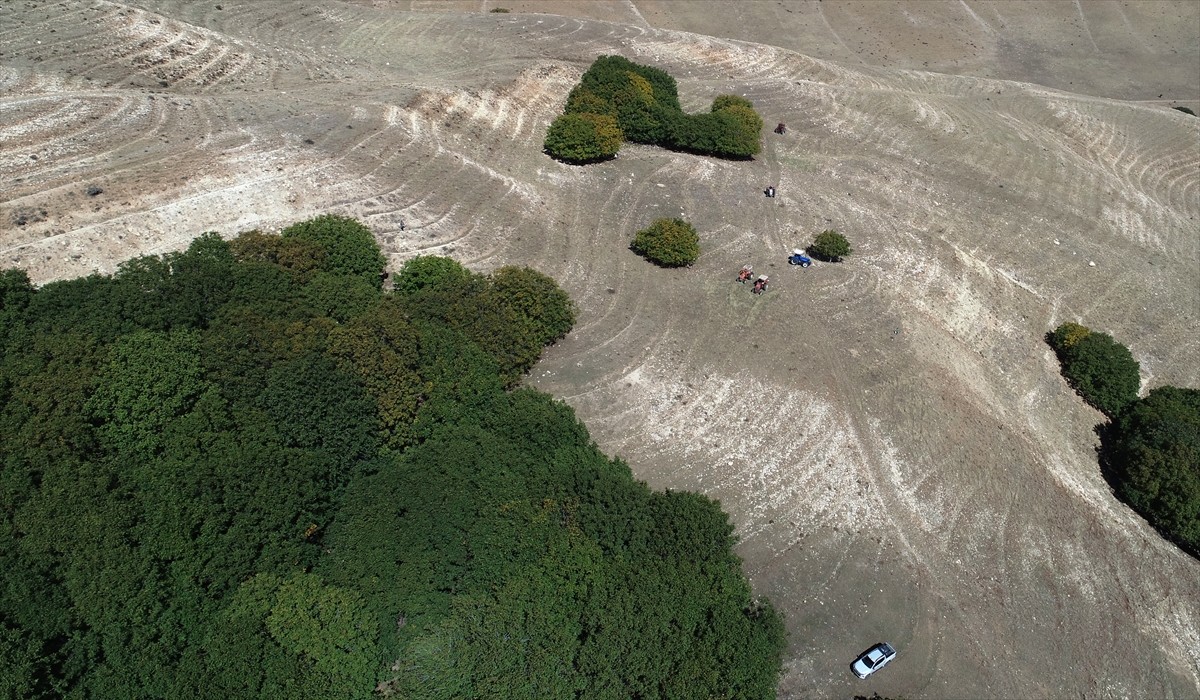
(1068, 335)
(641, 86)
(584, 100)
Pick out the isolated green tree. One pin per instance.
(1153, 450)
(668, 243)
(1103, 372)
(583, 137)
(830, 246)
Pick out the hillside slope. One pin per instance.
(890, 435)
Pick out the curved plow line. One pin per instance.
(238, 61)
(126, 110)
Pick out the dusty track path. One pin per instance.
(890, 435)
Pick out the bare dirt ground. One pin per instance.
(890, 435)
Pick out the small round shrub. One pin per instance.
(668, 242)
(830, 246)
(583, 138)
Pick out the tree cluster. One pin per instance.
(246, 470)
(668, 243)
(1151, 449)
(617, 100)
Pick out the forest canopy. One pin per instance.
(248, 470)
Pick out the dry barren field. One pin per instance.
(890, 435)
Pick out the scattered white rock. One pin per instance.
(1091, 263)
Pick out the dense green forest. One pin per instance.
(247, 470)
(618, 100)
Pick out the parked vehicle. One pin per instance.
(799, 258)
(873, 659)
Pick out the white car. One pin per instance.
(873, 659)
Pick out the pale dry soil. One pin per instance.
(890, 435)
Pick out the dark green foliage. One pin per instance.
(1153, 453)
(350, 247)
(20, 661)
(830, 246)
(740, 127)
(15, 291)
(583, 101)
(1102, 370)
(430, 272)
(381, 348)
(340, 297)
(293, 638)
(668, 242)
(317, 407)
(616, 79)
(299, 256)
(512, 315)
(1151, 450)
(583, 137)
(536, 300)
(644, 101)
(245, 471)
(152, 379)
